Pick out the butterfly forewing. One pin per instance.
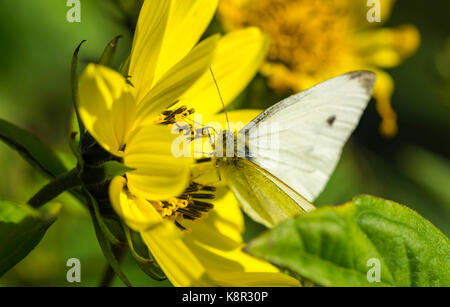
(303, 135)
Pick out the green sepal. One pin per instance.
(108, 249)
(141, 255)
(113, 233)
(125, 66)
(93, 175)
(74, 146)
(107, 58)
(74, 87)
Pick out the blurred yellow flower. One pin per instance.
(130, 118)
(312, 41)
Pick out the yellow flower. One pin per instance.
(131, 119)
(312, 41)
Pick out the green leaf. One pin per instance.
(15, 213)
(31, 149)
(21, 229)
(333, 246)
(104, 172)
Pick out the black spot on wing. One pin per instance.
(331, 120)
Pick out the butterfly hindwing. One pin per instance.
(263, 197)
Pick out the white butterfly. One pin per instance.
(274, 183)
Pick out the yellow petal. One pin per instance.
(226, 219)
(230, 220)
(234, 268)
(181, 267)
(177, 80)
(388, 47)
(147, 43)
(238, 58)
(158, 174)
(211, 255)
(216, 242)
(384, 87)
(188, 20)
(254, 279)
(137, 213)
(107, 107)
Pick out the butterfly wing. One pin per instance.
(300, 139)
(265, 198)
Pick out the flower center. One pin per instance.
(305, 35)
(193, 203)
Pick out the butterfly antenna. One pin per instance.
(221, 99)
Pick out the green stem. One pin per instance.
(60, 184)
(109, 274)
(107, 277)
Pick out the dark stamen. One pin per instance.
(202, 206)
(180, 226)
(209, 189)
(203, 160)
(190, 213)
(202, 196)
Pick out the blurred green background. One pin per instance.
(35, 52)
